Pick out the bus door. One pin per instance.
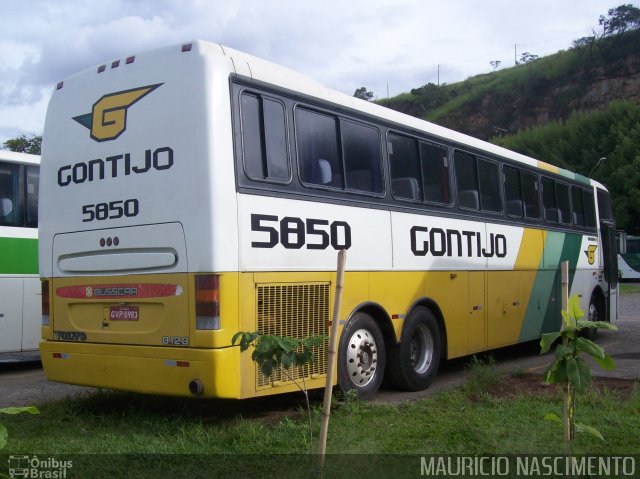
(610, 265)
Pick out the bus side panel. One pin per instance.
(31, 314)
(10, 314)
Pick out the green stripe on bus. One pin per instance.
(18, 256)
(558, 247)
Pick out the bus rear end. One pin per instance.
(132, 276)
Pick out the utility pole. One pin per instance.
(515, 53)
(438, 74)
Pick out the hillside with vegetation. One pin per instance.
(569, 109)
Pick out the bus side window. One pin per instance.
(264, 138)
(361, 147)
(406, 176)
(530, 193)
(604, 205)
(9, 191)
(513, 193)
(589, 209)
(316, 140)
(549, 200)
(490, 198)
(564, 207)
(435, 173)
(467, 181)
(577, 206)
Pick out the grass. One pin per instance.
(145, 436)
(629, 288)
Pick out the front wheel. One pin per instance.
(595, 313)
(414, 362)
(361, 356)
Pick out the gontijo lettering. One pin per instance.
(115, 166)
(451, 242)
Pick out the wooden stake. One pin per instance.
(568, 393)
(333, 340)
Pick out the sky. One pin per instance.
(388, 46)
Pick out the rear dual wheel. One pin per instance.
(414, 362)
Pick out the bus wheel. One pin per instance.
(361, 356)
(595, 313)
(414, 362)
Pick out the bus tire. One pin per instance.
(595, 313)
(414, 361)
(361, 356)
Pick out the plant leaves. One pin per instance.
(19, 410)
(606, 363)
(547, 340)
(591, 430)
(597, 324)
(592, 349)
(4, 436)
(579, 374)
(235, 337)
(565, 351)
(574, 307)
(552, 417)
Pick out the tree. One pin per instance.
(569, 369)
(527, 57)
(495, 64)
(363, 93)
(22, 144)
(620, 19)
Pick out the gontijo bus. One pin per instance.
(19, 284)
(194, 191)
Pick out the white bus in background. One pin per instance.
(628, 257)
(20, 294)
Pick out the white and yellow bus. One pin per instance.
(19, 283)
(194, 191)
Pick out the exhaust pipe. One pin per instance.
(196, 387)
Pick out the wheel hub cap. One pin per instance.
(362, 357)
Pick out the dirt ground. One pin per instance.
(532, 384)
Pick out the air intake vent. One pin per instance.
(296, 311)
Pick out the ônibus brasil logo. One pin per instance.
(108, 117)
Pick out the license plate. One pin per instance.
(124, 313)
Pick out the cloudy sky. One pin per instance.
(385, 45)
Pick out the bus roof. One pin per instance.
(14, 157)
(265, 71)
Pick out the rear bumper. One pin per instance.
(144, 369)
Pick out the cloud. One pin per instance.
(343, 45)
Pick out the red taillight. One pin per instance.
(44, 284)
(207, 301)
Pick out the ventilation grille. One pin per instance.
(297, 311)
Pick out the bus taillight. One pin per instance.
(45, 302)
(207, 301)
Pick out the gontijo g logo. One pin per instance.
(108, 117)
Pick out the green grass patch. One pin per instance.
(629, 288)
(142, 435)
